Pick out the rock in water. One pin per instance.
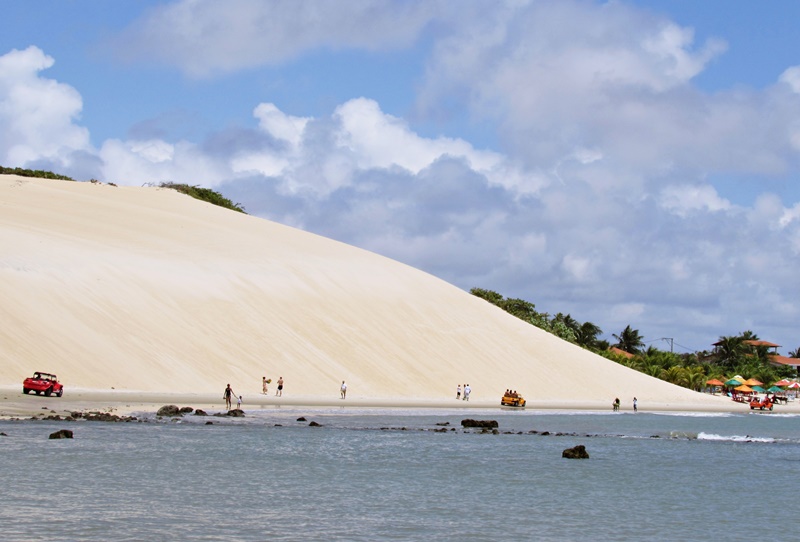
(63, 433)
(168, 410)
(236, 413)
(578, 452)
(484, 424)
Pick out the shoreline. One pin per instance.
(14, 404)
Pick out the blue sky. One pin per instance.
(632, 162)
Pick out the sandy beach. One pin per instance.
(138, 297)
(14, 404)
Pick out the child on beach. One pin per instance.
(239, 403)
(343, 390)
(458, 392)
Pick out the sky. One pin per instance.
(626, 162)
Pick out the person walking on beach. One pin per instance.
(467, 391)
(458, 392)
(239, 403)
(227, 394)
(279, 393)
(635, 404)
(343, 390)
(264, 385)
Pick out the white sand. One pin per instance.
(149, 291)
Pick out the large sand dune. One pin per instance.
(148, 289)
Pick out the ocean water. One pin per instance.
(382, 474)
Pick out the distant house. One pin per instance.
(782, 361)
(775, 359)
(620, 352)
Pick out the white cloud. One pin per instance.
(683, 199)
(206, 37)
(37, 115)
(280, 125)
(791, 76)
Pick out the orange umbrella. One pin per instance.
(714, 382)
(753, 382)
(744, 389)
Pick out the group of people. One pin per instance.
(615, 404)
(467, 391)
(511, 393)
(265, 381)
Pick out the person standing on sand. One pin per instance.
(227, 394)
(239, 403)
(635, 404)
(616, 404)
(343, 390)
(458, 392)
(264, 385)
(279, 393)
(467, 391)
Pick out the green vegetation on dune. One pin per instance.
(203, 194)
(33, 173)
(735, 355)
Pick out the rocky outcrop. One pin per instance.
(236, 413)
(314, 424)
(63, 433)
(481, 424)
(169, 411)
(576, 452)
(200, 412)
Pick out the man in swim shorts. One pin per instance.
(279, 393)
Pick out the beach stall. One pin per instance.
(714, 384)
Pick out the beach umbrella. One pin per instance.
(744, 389)
(714, 382)
(775, 389)
(733, 382)
(794, 385)
(759, 389)
(752, 382)
(782, 383)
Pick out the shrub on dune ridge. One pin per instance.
(41, 174)
(205, 194)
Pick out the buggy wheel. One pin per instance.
(48, 391)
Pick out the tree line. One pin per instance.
(732, 355)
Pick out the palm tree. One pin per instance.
(629, 340)
(795, 353)
(748, 336)
(586, 335)
(729, 352)
(695, 378)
